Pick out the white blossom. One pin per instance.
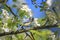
(27, 9)
(5, 24)
(5, 29)
(52, 36)
(21, 4)
(49, 2)
(5, 13)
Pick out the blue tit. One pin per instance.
(28, 21)
(19, 27)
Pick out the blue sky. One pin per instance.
(36, 11)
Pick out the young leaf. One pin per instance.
(14, 0)
(14, 6)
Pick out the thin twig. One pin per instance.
(10, 10)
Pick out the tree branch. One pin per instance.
(32, 36)
(10, 10)
(22, 31)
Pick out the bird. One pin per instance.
(28, 21)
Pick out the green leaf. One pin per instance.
(41, 6)
(9, 21)
(14, 6)
(20, 36)
(37, 37)
(41, 34)
(1, 24)
(0, 12)
(41, 21)
(36, 32)
(22, 13)
(34, 0)
(36, 6)
(41, 9)
(44, 3)
(0, 19)
(5, 7)
(14, 0)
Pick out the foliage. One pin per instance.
(11, 23)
